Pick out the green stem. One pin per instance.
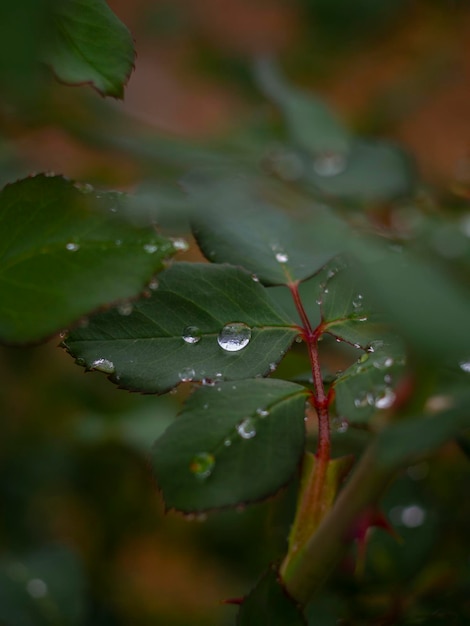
(324, 550)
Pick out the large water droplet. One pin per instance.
(72, 247)
(103, 365)
(186, 375)
(246, 429)
(234, 336)
(329, 164)
(202, 465)
(191, 334)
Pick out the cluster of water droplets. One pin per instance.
(380, 397)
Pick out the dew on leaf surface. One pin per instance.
(382, 398)
(339, 424)
(125, 308)
(103, 365)
(72, 247)
(202, 465)
(383, 362)
(246, 429)
(191, 334)
(465, 366)
(262, 412)
(186, 375)
(153, 284)
(150, 248)
(180, 244)
(329, 164)
(234, 336)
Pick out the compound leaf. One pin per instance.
(60, 256)
(232, 444)
(203, 322)
(91, 45)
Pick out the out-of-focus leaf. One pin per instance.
(42, 588)
(269, 604)
(311, 124)
(90, 45)
(372, 171)
(237, 225)
(202, 322)
(232, 444)
(63, 253)
(410, 438)
(421, 298)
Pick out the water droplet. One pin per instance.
(186, 375)
(72, 247)
(413, 516)
(153, 284)
(36, 588)
(103, 365)
(234, 336)
(329, 163)
(358, 301)
(272, 367)
(227, 443)
(118, 242)
(375, 345)
(255, 278)
(125, 308)
(279, 254)
(262, 412)
(246, 429)
(202, 465)
(361, 401)
(383, 362)
(384, 398)
(84, 187)
(191, 334)
(465, 366)
(362, 318)
(150, 248)
(180, 244)
(340, 424)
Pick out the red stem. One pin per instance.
(319, 398)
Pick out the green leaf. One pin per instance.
(418, 295)
(238, 225)
(270, 604)
(42, 587)
(232, 444)
(311, 124)
(406, 440)
(178, 333)
(372, 171)
(91, 45)
(60, 256)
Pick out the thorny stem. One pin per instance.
(319, 398)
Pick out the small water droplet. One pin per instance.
(72, 247)
(186, 375)
(358, 301)
(279, 254)
(375, 345)
(202, 465)
(255, 278)
(191, 334)
(361, 401)
(150, 248)
(413, 516)
(180, 244)
(329, 163)
(262, 412)
(272, 367)
(383, 398)
(465, 366)
(36, 588)
(340, 424)
(383, 362)
(153, 284)
(234, 336)
(125, 308)
(227, 443)
(103, 365)
(246, 429)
